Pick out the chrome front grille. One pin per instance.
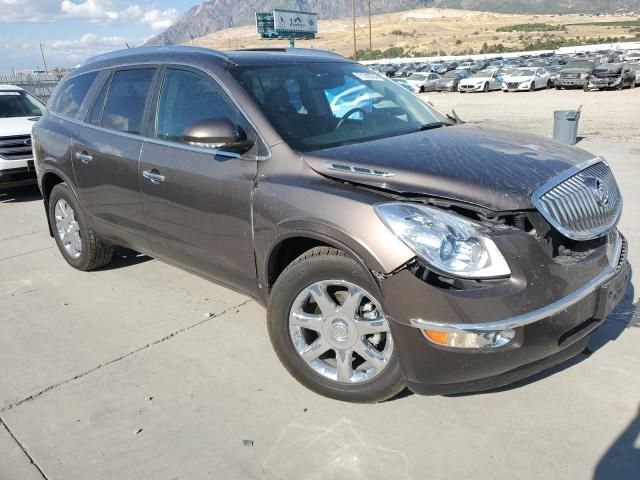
(15, 148)
(582, 204)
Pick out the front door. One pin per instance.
(106, 154)
(197, 200)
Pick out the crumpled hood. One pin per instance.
(16, 126)
(487, 167)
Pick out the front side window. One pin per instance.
(72, 93)
(188, 98)
(315, 106)
(18, 103)
(125, 104)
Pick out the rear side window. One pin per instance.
(72, 93)
(188, 98)
(125, 105)
(98, 105)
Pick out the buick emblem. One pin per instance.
(340, 330)
(599, 190)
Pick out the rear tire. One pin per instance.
(76, 240)
(361, 381)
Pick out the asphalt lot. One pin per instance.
(611, 115)
(141, 371)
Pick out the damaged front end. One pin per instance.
(566, 269)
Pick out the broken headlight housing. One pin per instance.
(448, 243)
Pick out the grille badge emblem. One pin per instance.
(599, 190)
(27, 142)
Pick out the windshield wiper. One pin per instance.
(431, 126)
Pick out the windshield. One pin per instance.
(417, 76)
(19, 104)
(316, 106)
(482, 75)
(581, 64)
(524, 73)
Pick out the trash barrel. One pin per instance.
(565, 126)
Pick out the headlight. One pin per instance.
(447, 242)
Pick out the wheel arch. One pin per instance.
(48, 181)
(295, 242)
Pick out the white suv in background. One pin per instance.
(18, 112)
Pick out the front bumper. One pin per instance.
(471, 88)
(446, 88)
(572, 83)
(553, 309)
(17, 172)
(516, 87)
(605, 83)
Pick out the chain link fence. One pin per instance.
(40, 85)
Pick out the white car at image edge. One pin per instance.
(527, 79)
(18, 112)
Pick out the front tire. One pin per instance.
(328, 329)
(76, 240)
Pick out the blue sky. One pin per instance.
(72, 30)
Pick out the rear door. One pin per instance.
(106, 155)
(197, 200)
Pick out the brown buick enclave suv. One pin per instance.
(391, 245)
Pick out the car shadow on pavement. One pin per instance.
(622, 460)
(623, 317)
(124, 257)
(28, 193)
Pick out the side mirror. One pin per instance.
(218, 133)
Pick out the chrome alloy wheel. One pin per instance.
(68, 228)
(340, 331)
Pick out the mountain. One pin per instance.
(215, 15)
(544, 6)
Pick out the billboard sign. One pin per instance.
(291, 21)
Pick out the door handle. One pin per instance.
(84, 157)
(154, 177)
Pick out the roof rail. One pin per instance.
(152, 49)
(300, 51)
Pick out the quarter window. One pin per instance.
(72, 93)
(127, 99)
(188, 98)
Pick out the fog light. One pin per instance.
(488, 339)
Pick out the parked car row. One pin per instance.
(603, 69)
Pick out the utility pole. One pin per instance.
(370, 37)
(43, 59)
(355, 47)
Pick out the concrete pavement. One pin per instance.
(141, 371)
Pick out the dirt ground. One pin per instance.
(610, 114)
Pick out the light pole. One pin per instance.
(370, 37)
(355, 48)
